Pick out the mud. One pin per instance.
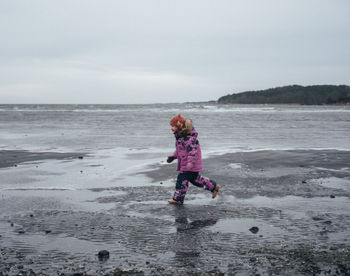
(297, 202)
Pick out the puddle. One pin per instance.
(38, 242)
(344, 169)
(151, 216)
(242, 226)
(339, 237)
(334, 182)
(204, 198)
(339, 205)
(81, 199)
(235, 166)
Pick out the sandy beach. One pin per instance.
(278, 213)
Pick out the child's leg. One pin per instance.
(204, 182)
(181, 187)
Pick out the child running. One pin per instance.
(189, 160)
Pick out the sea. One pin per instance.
(91, 128)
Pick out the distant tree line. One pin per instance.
(293, 94)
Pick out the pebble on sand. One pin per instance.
(103, 255)
(254, 229)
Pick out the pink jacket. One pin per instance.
(188, 152)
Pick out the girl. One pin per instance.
(189, 160)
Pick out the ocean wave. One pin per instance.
(176, 107)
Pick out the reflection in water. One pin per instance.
(189, 237)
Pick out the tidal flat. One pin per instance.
(279, 212)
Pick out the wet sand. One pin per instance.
(9, 158)
(278, 213)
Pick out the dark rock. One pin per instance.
(332, 196)
(304, 181)
(120, 272)
(103, 255)
(216, 272)
(48, 231)
(254, 229)
(80, 157)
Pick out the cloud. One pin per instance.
(159, 50)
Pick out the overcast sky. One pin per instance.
(147, 51)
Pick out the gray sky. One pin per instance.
(146, 51)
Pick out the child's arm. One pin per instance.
(172, 157)
(192, 149)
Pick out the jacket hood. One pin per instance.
(192, 133)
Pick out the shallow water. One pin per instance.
(139, 127)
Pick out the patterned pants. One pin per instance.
(182, 184)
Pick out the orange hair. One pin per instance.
(178, 120)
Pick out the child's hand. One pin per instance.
(170, 159)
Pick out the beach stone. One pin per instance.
(254, 229)
(103, 255)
